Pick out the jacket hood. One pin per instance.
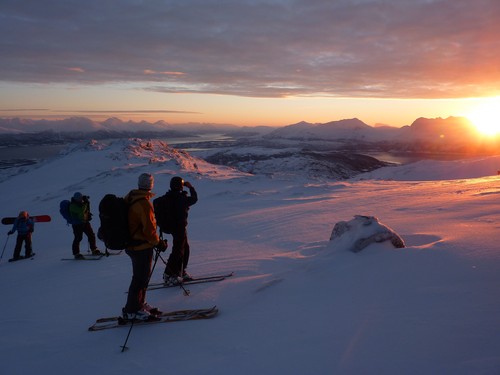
(136, 194)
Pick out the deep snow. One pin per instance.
(296, 305)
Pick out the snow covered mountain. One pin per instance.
(79, 124)
(452, 135)
(351, 129)
(453, 130)
(86, 125)
(298, 302)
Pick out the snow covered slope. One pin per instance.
(296, 305)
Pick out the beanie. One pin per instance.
(146, 181)
(77, 196)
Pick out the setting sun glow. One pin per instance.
(486, 117)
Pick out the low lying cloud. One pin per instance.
(141, 111)
(153, 72)
(104, 111)
(77, 70)
(273, 48)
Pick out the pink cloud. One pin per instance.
(167, 73)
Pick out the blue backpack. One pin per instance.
(64, 210)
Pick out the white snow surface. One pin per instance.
(296, 304)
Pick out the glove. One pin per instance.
(162, 245)
(10, 232)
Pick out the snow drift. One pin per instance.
(362, 231)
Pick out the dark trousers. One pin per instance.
(78, 231)
(141, 272)
(179, 257)
(26, 238)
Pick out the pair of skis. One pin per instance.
(166, 317)
(191, 281)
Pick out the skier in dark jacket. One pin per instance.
(179, 203)
(79, 210)
(24, 225)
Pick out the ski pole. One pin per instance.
(124, 346)
(187, 292)
(4, 246)
(154, 264)
(181, 283)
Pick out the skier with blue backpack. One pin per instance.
(80, 216)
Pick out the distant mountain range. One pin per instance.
(84, 124)
(422, 129)
(453, 134)
(354, 129)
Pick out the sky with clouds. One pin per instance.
(248, 61)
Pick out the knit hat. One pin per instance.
(77, 196)
(146, 181)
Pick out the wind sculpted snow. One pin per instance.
(296, 305)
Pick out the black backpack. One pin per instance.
(114, 230)
(163, 213)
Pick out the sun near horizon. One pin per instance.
(486, 116)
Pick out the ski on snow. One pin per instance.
(166, 317)
(95, 257)
(32, 256)
(194, 280)
(86, 257)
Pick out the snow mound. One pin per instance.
(153, 151)
(360, 232)
(160, 154)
